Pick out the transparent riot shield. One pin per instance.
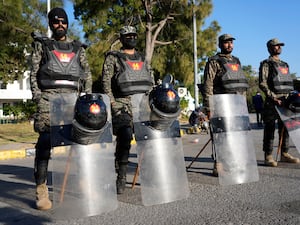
(291, 121)
(232, 139)
(161, 160)
(83, 175)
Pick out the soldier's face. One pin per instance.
(227, 46)
(60, 24)
(276, 49)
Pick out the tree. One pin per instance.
(18, 18)
(166, 26)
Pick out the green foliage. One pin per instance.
(164, 27)
(252, 78)
(18, 19)
(19, 110)
(184, 103)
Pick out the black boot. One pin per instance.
(121, 179)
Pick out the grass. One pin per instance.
(17, 133)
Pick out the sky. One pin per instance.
(253, 23)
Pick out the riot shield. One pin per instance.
(291, 121)
(83, 175)
(232, 139)
(161, 160)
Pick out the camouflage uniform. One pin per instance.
(213, 73)
(121, 113)
(270, 114)
(42, 117)
(212, 80)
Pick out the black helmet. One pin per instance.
(293, 101)
(89, 119)
(165, 105)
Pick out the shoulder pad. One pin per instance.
(37, 36)
(215, 57)
(80, 44)
(236, 58)
(116, 54)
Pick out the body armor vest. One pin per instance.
(233, 78)
(134, 77)
(60, 65)
(282, 80)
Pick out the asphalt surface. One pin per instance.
(274, 199)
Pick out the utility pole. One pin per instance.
(195, 58)
(48, 10)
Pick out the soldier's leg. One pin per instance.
(285, 156)
(268, 142)
(124, 137)
(43, 148)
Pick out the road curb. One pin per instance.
(17, 153)
(29, 152)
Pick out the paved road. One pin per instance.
(274, 199)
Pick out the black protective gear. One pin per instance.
(90, 119)
(165, 106)
(134, 76)
(129, 42)
(124, 137)
(60, 67)
(268, 139)
(293, 101)
(43, 148)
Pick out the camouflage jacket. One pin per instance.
(212, 79)
(36, 58)
(265, 75)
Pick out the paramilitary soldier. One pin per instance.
(223, 75)
(59, 65)
(276, 82)
(125, 72)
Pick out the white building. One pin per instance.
(17, 91)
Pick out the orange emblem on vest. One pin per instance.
(64, 57)
(234, 67)
(284, 70)
(135, 65)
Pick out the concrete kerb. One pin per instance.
(17, 151)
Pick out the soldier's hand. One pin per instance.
(278, 101)
(116, 107)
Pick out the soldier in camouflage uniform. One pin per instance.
(276, 91)
(45, 81)
(216, 77)
(116, 68)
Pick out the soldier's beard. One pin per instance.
(59, 33)
(227, 51)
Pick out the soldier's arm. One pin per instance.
(36, 58)
(263, 80)
(108, 72)
(209, 76)
(87, 85)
